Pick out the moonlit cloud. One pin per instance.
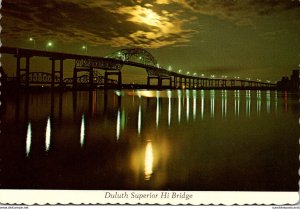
(240, 12)
(118, 24)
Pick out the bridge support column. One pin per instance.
(60, 71)
(20, 69)
(210, 83)
(119, 74)
(120, 80)
(206, 83)
(242, 83)
(75, 78)
(217, 83)
(159, 84)
(149, 78)
(175, 82)
(223, 83)
(232, 82)
(91, 78)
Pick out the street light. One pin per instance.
(170, 68)
(49, 44)
(179, 71)
(33, 41)
(202, 75)
(188, 73)
(195, 74)
(85, 48)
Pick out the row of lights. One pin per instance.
(213, 76)
(84, 47)
(50, 45)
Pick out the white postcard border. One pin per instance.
(42, 197)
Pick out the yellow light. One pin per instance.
(48, 135)
(82, 131)
(148, 161)
(28, 139)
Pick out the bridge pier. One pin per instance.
(243, 84)
(60, 71)
(189, 83)
(19, 69)
(217, 83)
(160, 80)
(175, 82)
(119, 74)
(149, 78)
(223, 83)
(232, 83)
(91, 76)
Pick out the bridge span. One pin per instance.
(112, 65)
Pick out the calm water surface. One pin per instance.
(177, 140)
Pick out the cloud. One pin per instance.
(240, 12)
(115, 23)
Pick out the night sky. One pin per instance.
(246, 38)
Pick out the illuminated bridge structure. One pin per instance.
(46, 78)
(112, 65)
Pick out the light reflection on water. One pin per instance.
(236, 115)
(157, 108)
(148, 160)
(212, 103)
(28, 139)
(48, 135)
(179, 105)
(82, 130)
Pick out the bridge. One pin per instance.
(112, 65)
(46, 78)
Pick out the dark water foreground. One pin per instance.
(177, 140)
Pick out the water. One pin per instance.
(178, 140)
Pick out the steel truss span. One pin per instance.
(137, 54)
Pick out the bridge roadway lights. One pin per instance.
(19, 69)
